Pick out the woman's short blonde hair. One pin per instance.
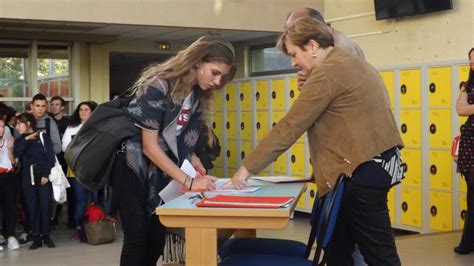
(304, 29)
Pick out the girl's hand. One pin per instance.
(32, 136)
(204, 183)
(44, 181)
(239, 180)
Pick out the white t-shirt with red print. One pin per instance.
(184, 114)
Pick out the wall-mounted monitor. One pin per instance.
(386, 9)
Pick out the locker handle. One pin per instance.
(242, 126)
(258, 125)
(432, 88)
(242, 97)
(403, 89)
(257, 96)
(405, 206)
(311, 193)
(274, 95)
(273, 125)
(227, 97)
(405, 167)
(404, 128)
(463, 215)
(433, 169)
(214, 125)
(242, 155)
(434, 211)
(292, 94)
(293, 158)
(228, 154)
(227, 125)
(432, 128)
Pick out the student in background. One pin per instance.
(465, 107)
(36, 161)
(171, 101)
(81, 194)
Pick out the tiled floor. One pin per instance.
(434, 249)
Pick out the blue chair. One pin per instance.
(265, 251)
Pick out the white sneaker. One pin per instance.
(2, 239)
(13, 243)
(1, 248)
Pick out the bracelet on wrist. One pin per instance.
(191, 185)
(186, 181)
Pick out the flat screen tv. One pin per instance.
(386, 9)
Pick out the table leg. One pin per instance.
(201, 246)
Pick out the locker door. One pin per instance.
(231, 97)
(277, 116)
(439, 86)
(279, 166)
(297, 159)
(311, 191)
(410, 127)
(218, 100)
(278, 94)
(262, 124)
(440, 170)
(411, 207)
(293, 92)
(218, 124)
(440, 128)
(391, 205)
(218, 172)
(441, 210)
(412, 160)
(301, 204)
(462, 184)
(388, 80)
(463, 73)
(410, 83)
(246, 126)
(232, 125)
(233, 155)
(247, 147)
(261, 94)
(246, 96)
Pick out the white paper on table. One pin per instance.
(174, 189)
(219, 191)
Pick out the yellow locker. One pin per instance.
(232, 154)
(463, 73)
(218, 172)
(462, 121)
(218, 101)
(441, 210)
(246, 148)
(411, 207)
(412, 160)
(219, 162)
(218, 124)
(277, 116)
(230, 172)
(246, 96)
(439, 86)
(262, 124)
(293, 92)
(391, 205)
(463, 210)
(312, 189)
(246, 126)
(410, 127)
(410, 92)
(278, 94)
(297, 159)
(279, 166)
(265, 172)
(440, 128)
(462, 184)
(232, 127)
(231, 97)
(301, 204)
(388, 80)
(440, 170)
(261, 94)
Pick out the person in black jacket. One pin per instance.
(36, 162)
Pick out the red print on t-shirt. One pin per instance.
(183, 117)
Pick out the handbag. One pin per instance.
(455, 148)
(100, 232)
(57, 178)
(91, 153)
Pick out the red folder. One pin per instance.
(245, 202)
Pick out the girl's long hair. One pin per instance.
(76, 120)
(180, 70)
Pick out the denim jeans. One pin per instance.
(81, 199)
(363, 220)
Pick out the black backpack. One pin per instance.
(91, 153)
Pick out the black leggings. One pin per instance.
(144, 235)
(467, 240)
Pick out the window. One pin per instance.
(53, 70)
(268, 60)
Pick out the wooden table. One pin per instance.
(201, 224)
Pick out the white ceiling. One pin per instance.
(103, 33)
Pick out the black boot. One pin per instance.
(48, 242)
(37, 243)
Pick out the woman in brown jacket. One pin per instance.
(344, 108)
